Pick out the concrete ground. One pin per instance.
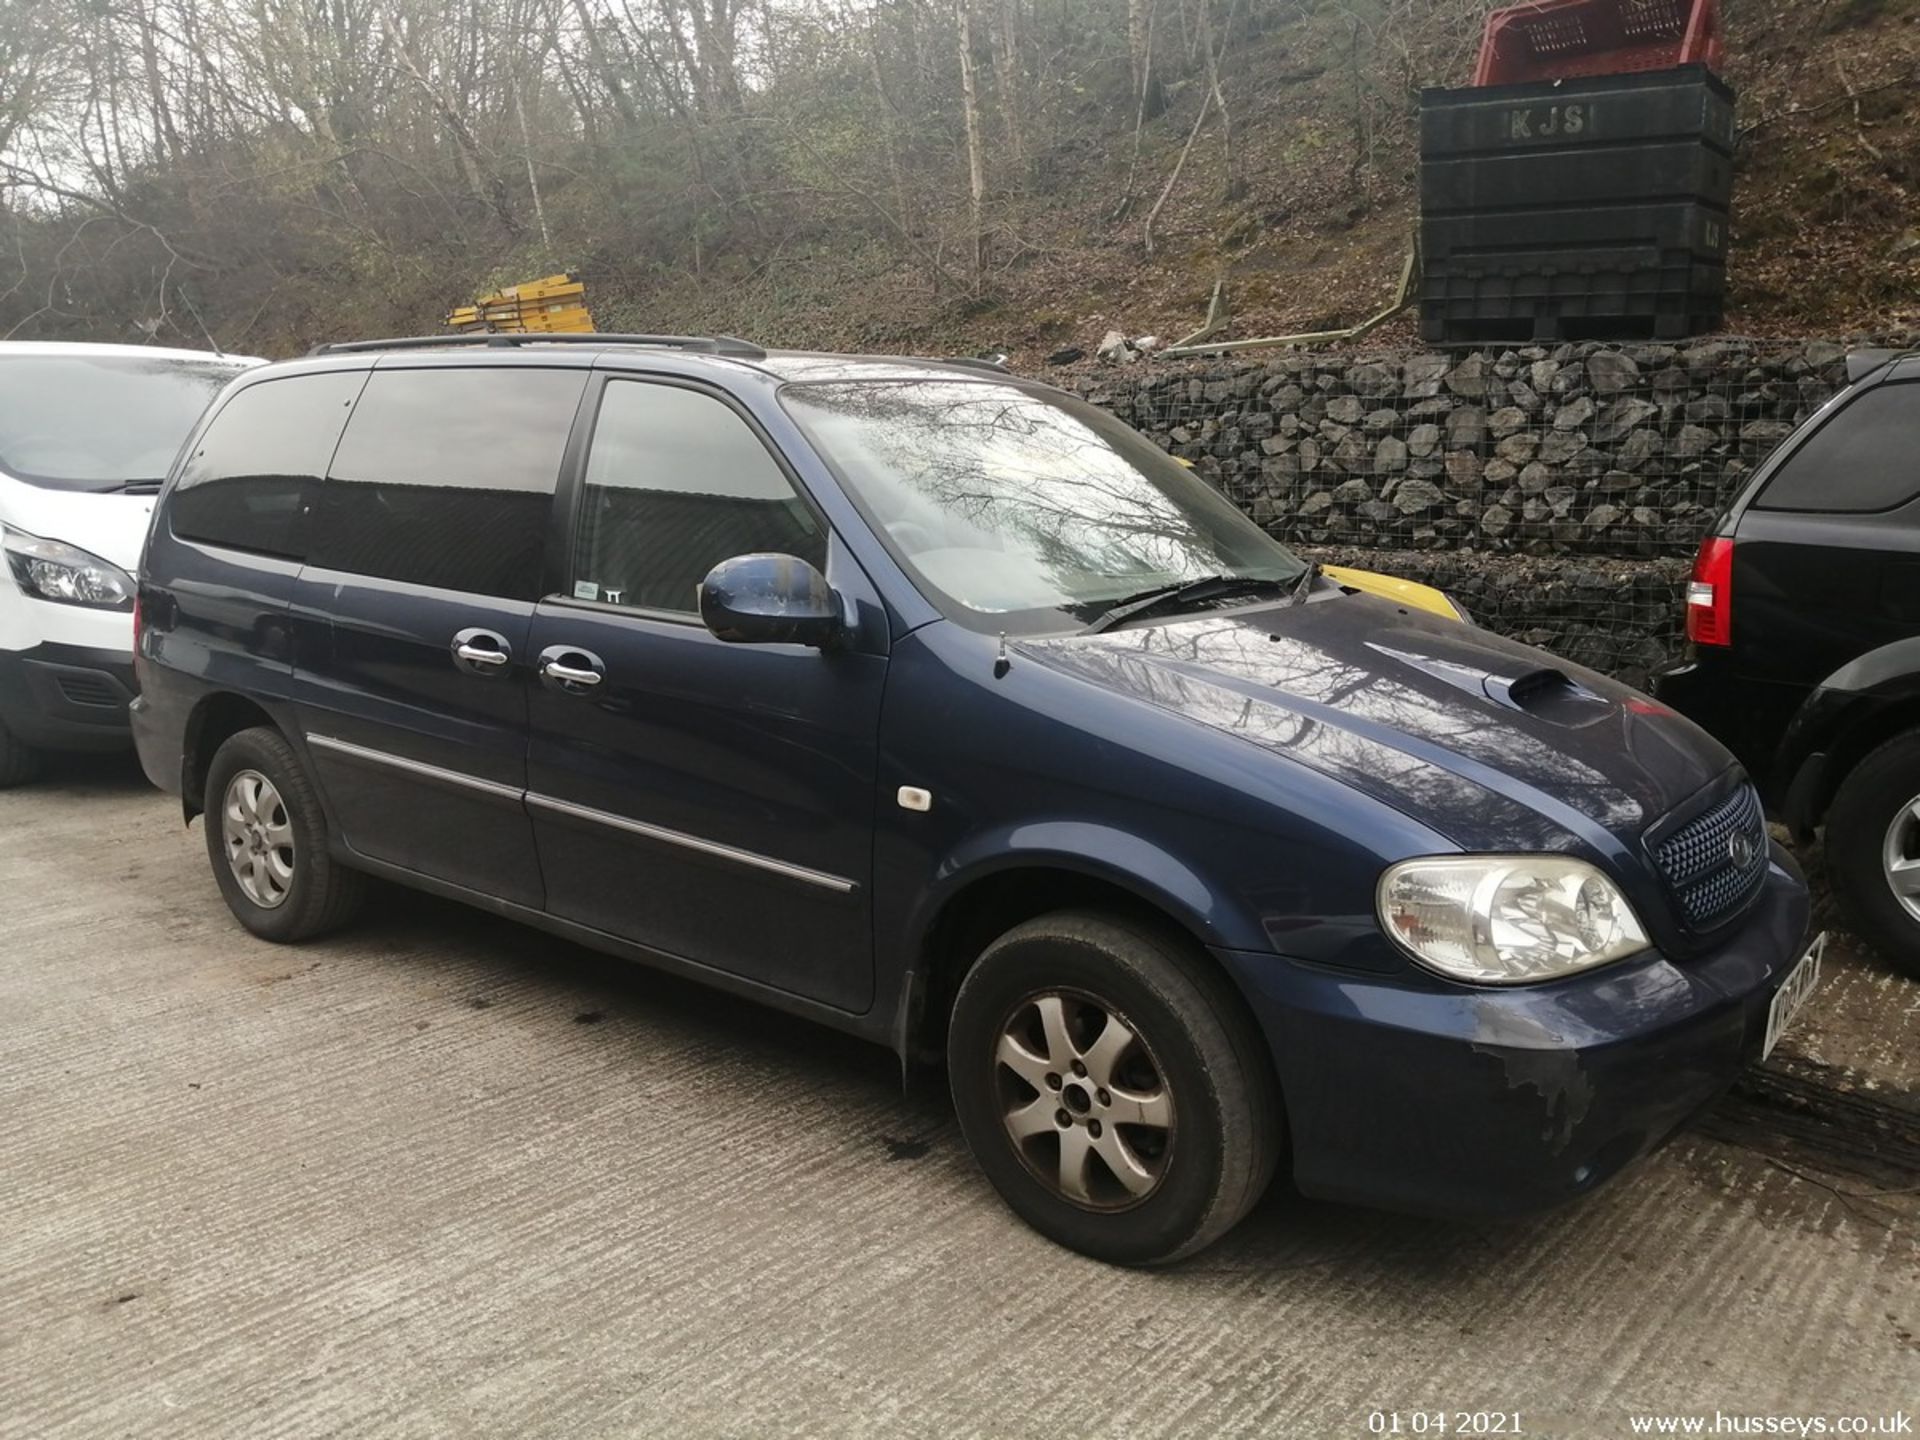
(441, 1175)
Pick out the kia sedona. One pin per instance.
(942, 708)
(87, 435)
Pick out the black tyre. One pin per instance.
(18, 762)
(1873, 850)
(267, 842)
(1112, 1087)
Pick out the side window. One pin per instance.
(1865, 458)
(445, 478)
(252, 475)
(677, 482)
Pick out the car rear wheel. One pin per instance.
(1873, 850)
(19, 763)
(267, 842)
(1112, 1087)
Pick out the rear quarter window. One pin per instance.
(445, 478)
(255, 469)
(1866, 457)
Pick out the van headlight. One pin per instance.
(1507, 919)
(53, 570)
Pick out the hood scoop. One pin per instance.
(1546, 692)
(1550, 694)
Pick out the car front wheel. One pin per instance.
(1112, 1087)
(1873, 849)
(267, 842)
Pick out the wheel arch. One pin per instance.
(984, 901)
(1852, 713)
(214, 719)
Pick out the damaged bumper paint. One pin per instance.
(1408, 1092)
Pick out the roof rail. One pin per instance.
(727, 345)
(978, 362)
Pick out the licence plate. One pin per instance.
(1793, 993)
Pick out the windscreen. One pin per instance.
(1018, 510)
(96, 422)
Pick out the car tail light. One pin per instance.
(139, 664)
(1710, 593)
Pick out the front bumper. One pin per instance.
(67, 697)
(1410, 1094)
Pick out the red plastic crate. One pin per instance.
(1561, 39)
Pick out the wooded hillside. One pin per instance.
(876, 174)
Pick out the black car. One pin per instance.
(943, 708)
(1804, 621)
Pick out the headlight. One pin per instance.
(51, 570)
(1507, 919)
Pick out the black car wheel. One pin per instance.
(1112, 1087)
(1873, 850)
(18, 763)
(267, 841)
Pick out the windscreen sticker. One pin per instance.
(585, 590)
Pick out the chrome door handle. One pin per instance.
(479, 651)
(569, 674)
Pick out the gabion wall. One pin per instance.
(1514, 477)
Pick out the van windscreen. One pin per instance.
(100, 422)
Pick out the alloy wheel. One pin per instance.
(258, 834)
(1900, 856)
(1084, 1102)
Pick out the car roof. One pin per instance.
(82, 349)
(723, 352)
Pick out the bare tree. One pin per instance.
(1007, 75)
(976, 161)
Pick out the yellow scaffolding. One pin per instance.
(554, 304)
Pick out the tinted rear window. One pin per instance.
(254, 472)
(445, 478)
(52, 409)
(1866, 457)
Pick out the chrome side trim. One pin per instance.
(420, 768)
(838, 884)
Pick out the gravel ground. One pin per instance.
(440, 1175)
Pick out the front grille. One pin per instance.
(81, 687)
(1701, 866)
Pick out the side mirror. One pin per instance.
(770, 600)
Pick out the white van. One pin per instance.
(87, 434)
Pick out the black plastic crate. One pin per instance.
(1646, 172)
(1669, 302)
(1687, 102)
(1578, 235)
(1580, 209)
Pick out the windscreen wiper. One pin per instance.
(1204, 588)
